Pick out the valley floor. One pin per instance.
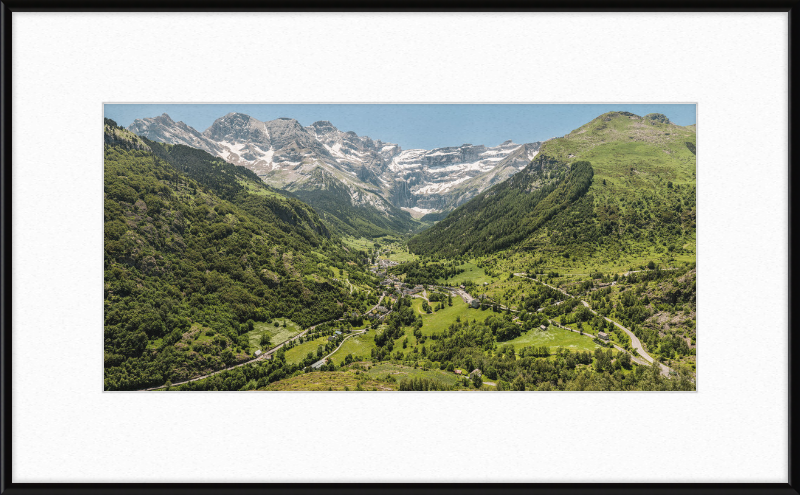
(556, 332)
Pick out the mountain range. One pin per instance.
(363, 186)
(220, 245)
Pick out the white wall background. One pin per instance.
(733, 429)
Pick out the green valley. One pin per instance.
(576, 271)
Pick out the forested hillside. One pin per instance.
(606, 213)
(640, 202)
(331, 198)
(507, 213)
(576, 273)
(196, 251)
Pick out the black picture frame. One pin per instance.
(7, 9)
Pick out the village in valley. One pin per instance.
(579, 275)
(350, 343)
(394, 287)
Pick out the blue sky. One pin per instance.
(415, 125)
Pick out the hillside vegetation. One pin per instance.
(508, 213)
(640, 202)
(196, 251)
(573, 274)
(331, 198)
(637, 215)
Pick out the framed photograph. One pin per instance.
(565, 235)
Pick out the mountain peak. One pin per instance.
(236, 115)
(323, 127)
(238, 127)
(433, 179)
(285, 123)
(658, 117)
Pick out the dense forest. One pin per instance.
(195, 248)
(507, 213)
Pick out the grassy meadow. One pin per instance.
(299, 352)
(276, 331)
(439, 321)
(553, 337)
(472, 272)
(360, 346)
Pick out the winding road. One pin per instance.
(643, 358)
(260, 357)
(635, 342)
(322, 361)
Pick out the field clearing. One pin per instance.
(366, 244)
(258, 191)
(298, 353)
(507, 290)
(472, 272)
(359, 346)
(360, 244)
(400, 255)
(323, 380)
(554, 337)
(399, 372)
(611, 262)
(276, 334)
(439, 321)
(587, 327)
(614, 339)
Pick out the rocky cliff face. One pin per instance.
(401, 196)
(284, 154)
(444, 178)
(237, 128)
(164, 129)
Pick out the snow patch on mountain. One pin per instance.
(285, 153)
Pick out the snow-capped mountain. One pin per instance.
(166, 130)
(374, 173)
(443, 178)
